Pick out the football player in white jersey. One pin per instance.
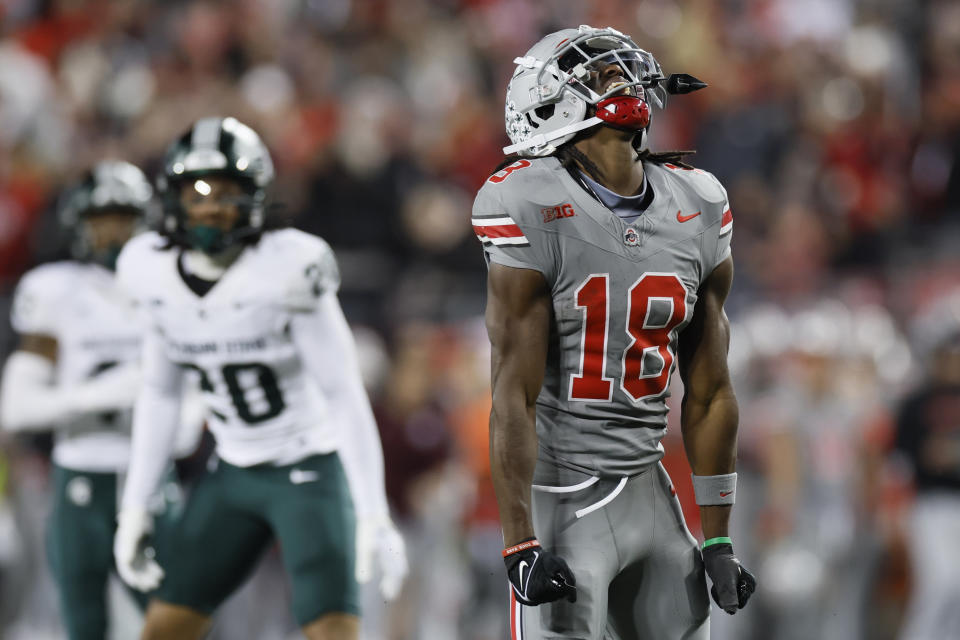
(75, 371)
(254, 312)
(608, 264)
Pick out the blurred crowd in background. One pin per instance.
(834, 124)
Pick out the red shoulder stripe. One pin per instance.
(499, 231)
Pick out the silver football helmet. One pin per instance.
(550, 93)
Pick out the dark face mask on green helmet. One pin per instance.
(107, 256)
(206, 238)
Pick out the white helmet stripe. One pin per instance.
(206, 134)
(529, 62)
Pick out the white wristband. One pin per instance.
(711, 490)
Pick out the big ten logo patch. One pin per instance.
(557, 212)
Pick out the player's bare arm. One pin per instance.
(708, 420)
(519, 310)
(709, 412)
(518, 322)
(42, 345)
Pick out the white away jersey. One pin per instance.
(622, 293)
(261, 405)
(96, 329)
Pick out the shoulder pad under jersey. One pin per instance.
(695, 182)
(140, 262)
(38, 300)
(305, 263)
(528, 181)
(508, 215)
(700, 190)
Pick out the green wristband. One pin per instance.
(713, 541)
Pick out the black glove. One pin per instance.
(732, 583)
(538, 576)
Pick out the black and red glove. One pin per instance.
(538, 576)
(732, 583)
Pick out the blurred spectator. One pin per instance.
(815, 426)
(928, 437)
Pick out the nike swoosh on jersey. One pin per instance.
(724, 494)
(683, 218)
(299, 476)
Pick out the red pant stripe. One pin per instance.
(516, 617)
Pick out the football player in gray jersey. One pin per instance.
(608, 266)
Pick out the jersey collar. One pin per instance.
(612, 223)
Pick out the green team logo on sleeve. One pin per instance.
(323, 275)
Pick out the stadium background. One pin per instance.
(834, 124)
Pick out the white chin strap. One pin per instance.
(544, 138)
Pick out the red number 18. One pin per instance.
(651, 336)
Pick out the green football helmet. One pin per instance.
(110, 186)
(221, 147)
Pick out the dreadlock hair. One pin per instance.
(573, 159)
(667, 157)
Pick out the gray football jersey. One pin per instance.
(622, 293)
